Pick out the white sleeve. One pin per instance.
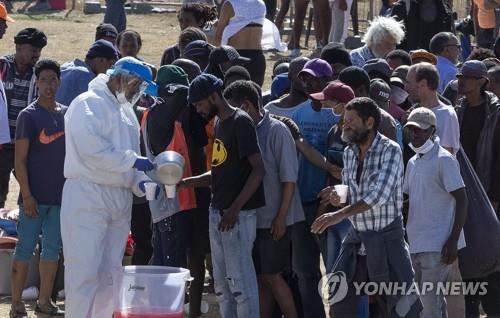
(449, 135)
(94, 147)
(4, 120)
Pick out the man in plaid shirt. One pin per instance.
(373, 170)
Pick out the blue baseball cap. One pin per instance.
(203, 86)
(132, 66)
(103, 48)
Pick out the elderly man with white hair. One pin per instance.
(382, 37)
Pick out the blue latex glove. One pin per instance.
(143, 164)
(142, 187)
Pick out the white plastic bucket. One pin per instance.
(150, 292)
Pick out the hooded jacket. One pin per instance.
(102, 139)
(485, 146)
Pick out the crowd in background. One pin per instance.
(408, 122)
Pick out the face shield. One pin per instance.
(130, 89)
(134, 79)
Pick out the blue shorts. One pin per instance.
(29, 229)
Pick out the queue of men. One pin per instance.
(259, 191)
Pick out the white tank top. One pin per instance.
(245, 12)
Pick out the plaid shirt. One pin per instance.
(381, 183)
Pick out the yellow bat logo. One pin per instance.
(219, 153)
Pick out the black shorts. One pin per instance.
(198, 240)
(270, 256)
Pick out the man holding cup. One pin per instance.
(373, 173)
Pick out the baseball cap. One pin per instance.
(132, 66)
(422, 118)
(226, 53)
(317, 68)
(197, 48)
(280, 86)
(473, 68)
(203, 86)
(335, 90)
(3, 13)
(379, 90)
(423, 55)
(171, 74)
(401, 72)
(103, 48)
(378, 65)
(31, 36)
(105, 30)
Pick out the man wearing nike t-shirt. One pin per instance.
(39, 164)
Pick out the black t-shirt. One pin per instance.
(235, 140)
(470, 130)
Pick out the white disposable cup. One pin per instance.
(150, 190)
(170, 190)
(341, 190)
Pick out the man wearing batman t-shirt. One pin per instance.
(236, 180)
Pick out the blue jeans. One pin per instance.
(335, 236)
(235, 282)
(305, 263)
(47, 223)
(169, 241)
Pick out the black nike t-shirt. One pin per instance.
(45, 131)
(235, 140)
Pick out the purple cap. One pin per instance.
(317, 68)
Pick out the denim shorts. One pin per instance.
(29, 229)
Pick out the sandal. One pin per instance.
(49, 309)
(18, 311)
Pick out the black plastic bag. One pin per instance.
(481, 256)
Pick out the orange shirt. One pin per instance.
(186, 196)
(210, 129)
(485, 17)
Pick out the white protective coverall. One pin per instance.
(102, 144)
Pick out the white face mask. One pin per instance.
(425, 148)
(398, 95)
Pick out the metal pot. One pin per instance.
(169, 167)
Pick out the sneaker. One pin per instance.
(49, 309)
(18, 311)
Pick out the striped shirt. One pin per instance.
(20, 90)
(380, 186)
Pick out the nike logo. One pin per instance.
(47, 139)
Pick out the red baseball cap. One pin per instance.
(335, 90)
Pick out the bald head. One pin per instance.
(191, 68)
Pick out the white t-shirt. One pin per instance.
(283, 111)
(429, 181)
(447, 128)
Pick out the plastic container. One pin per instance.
(150, 292)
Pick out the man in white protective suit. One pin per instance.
(103, 168)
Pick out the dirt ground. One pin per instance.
(69, 38)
